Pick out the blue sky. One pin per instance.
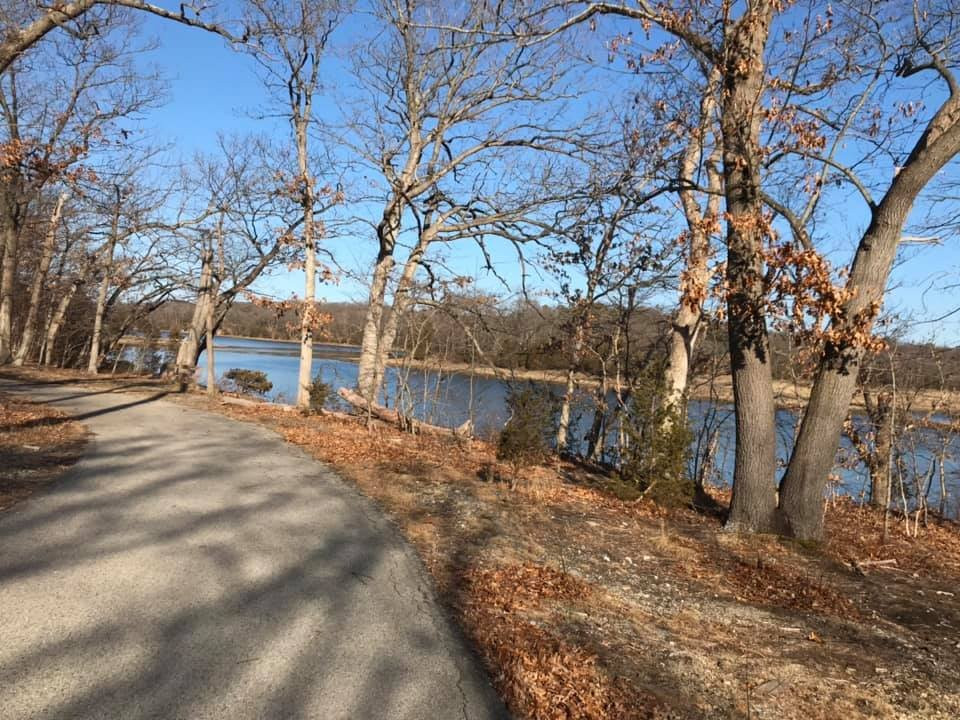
(214, 90)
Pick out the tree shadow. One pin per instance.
(193, 566)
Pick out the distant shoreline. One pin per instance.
(285, 342)
(788, 395)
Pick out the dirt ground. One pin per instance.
(37, 445)
(586, 606)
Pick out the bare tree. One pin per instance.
(255, 221)
(57, 110)
(701, 211)
(926, 43)
(24, 26)
(739, 48)
(288, 40)
(443, 109)
(37, 282)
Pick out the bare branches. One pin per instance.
(20, 39)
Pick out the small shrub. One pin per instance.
(248, 382)
(319, 394)
(525, 439)
(655, 461)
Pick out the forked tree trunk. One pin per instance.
(367, 384)
(754, 503)
(686, 324)
(193, 343)
(368, 379)
(801, 494)
(56, 320)
(189, 350)
(402, 300)
(36, 287)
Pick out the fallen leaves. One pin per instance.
(682, 628)
(539, 674)
(37, 443)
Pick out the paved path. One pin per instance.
(196, 567)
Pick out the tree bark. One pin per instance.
(685, 328)
(881, 414)
(210, 328)
(193, 343)
(56, 320)
(8, 271)
(566, 403)
(367, 376)
(36, 287)
(402, 300)
(189, 350)
(753, 506)
(801, 494)
(94, 362)
(308, 316)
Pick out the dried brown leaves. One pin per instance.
(539, 674)
(37, 443)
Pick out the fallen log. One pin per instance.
(404, 422)
(861, 566)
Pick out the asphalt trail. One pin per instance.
(191, 566)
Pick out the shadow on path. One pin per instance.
(195, 567)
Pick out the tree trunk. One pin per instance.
(685, 328)
(8, 274)
(193, 343)
(308, 317)
(882, 414)
(595, 435)
(566, 402)
(94, 362)
(211, 326)
(402, 300)
(189, 350)
(753, 506)
(56, 320)
(36, 287)
(563, 421)
(801, 495)
(368, 383)
(216, 280)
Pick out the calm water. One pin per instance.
(451, 399)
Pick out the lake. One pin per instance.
(449, 399)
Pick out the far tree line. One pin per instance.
(519, 334)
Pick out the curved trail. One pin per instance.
(191, 566)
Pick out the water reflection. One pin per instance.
(451, 399)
